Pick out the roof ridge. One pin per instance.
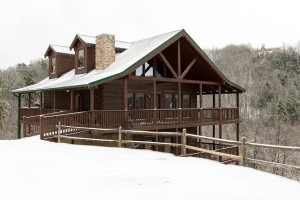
(58, 45)
(160, 35)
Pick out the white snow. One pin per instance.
(62, 49)
(39, 170)
(92, 40)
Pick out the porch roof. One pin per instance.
(135, 53)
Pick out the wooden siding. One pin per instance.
(64, 63)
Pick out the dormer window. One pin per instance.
(81, 58)
(53, 66)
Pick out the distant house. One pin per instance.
(150, 84)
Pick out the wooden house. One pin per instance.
(153, 84)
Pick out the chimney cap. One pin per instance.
(105, 34)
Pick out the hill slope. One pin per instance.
(35, 169)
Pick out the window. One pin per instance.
(130, 102)
(140, 101)
(81, 58)
(53, 62)
(186, 101)
(176, 100)
(168, 101)
(152, 101)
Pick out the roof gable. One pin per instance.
(58, 49)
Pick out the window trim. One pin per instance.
(51, 66)
(78, 59)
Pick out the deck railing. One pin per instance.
(27, 112)
(146, 119)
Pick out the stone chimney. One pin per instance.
(105, 51)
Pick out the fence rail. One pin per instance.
(243, 145)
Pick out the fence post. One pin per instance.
(41, 127)
(120, 137)
(59, 132)
(183, 149)
(243, 151)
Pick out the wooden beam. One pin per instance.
(54, 100)
(29, 100)
(154, 66)
(92, 99)
(72, 100)
(125, 92)
(179, 58)
(200, 96)
(154, 97)
(168, 64)
(188, 68)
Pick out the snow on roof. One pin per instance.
(136, 51)
(92, 40)
(61, 49)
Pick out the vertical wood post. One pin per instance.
(183, 149)
(41, 127)
(154, 103)
(125, 106)
(29, 100)
(238, 111)
(54, 100)
(179, 103)
(179, 59)
(59, 132)
(41, 102)
(243, 151)
(24, 126)
(120, 137)
(214, 126)
(92, 99)
(72, 100)
(201, 102)
(220, 122)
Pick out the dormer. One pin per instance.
(61, 60)
(85, 52)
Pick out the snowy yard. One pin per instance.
(34, 169)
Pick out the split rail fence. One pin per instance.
(243, 145)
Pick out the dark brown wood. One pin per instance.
(29, 100)
(188, 68)
(168, 65)
(54, 100)
(125, 92)
(178, 58)
(72, 100)
(92, 99)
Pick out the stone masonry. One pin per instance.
(105, 51)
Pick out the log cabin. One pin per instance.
(155, 84)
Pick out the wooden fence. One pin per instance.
(243, 144)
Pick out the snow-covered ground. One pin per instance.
(34, 169)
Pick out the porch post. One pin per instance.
(125, 102)
(19, 105)
(220, 123)
(29, 100)
(179, 102)
(214, 126)
(238, 116)
(72, 100)
(201, 114)
(92, 99)
(54, 100)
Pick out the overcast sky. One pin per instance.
(28, 27)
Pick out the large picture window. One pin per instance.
(140, 101)
(53, 64)
(130, 101)
(81, 58)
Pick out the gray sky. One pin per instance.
(27, 27)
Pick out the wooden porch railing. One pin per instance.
(28, 112)
(147, 119)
